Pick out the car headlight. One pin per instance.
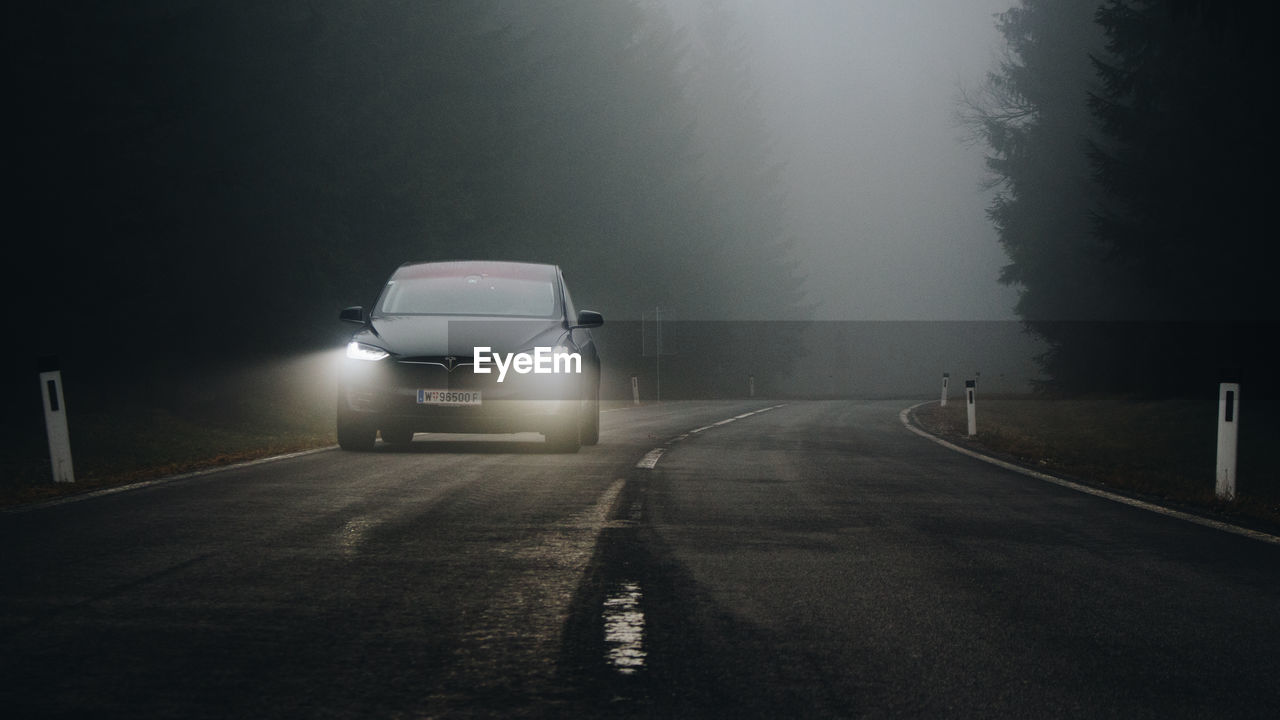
(561, 362)
(361, 351)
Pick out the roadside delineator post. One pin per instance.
(946, 381)
(970, 390)
(55, 420)
(1228, 435)
(751, 386)
(635, 390)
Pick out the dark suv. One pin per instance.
(471, 347)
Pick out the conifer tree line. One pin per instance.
(1131, 149)
(227, 175)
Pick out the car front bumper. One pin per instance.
(386, 394)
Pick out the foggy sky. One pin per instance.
(886, 199)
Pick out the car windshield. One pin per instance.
(480, 294)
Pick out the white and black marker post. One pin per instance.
(635, 390)
(946, 382)
(55, 420)
(751, 386)
(970, 390)
(1228, 433)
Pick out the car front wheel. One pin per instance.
(568, 437)
(591, 419)
(397, 435)
(354, 433)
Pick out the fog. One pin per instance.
(215, 180)
(202, 185)
(885, 191)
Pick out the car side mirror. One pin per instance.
(354, 314)
(589, 319)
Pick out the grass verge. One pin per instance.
(122, 434)
(1161, 450)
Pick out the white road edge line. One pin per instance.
(159, 481)
(1132, 502)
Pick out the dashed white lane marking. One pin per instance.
(650, 460)
(1132, 502)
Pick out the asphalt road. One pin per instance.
(806, 560)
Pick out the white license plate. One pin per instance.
(448, 397)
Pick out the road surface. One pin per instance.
(707, 559)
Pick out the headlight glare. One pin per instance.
(361, 351)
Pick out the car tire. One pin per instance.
(591, 421)
(354, 433)
(568, 437)
(397, 435)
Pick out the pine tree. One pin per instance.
(1032, 113)
(749, 215)
(1184, 140)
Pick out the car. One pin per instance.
(471, 347)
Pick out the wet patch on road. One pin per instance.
(643, 640)
(623, 620)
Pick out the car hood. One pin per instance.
(441, 335)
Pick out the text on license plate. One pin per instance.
(448, 397)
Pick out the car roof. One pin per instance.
(462, 268)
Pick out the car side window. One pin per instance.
(570, 311)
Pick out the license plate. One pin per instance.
(448, 397)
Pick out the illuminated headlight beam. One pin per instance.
(360, 351)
